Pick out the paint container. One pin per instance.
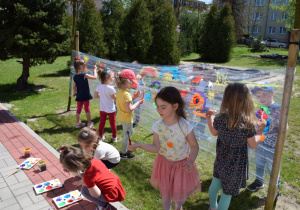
(27, 152)
(42, 165)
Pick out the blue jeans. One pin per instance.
(264, 155)
(100, 201)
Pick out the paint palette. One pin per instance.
(68, 198)
(29, 163)
(47, 186)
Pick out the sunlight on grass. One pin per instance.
(57, 129)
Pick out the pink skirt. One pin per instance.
(173, 181)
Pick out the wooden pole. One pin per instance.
(71, 75)
(288, 85)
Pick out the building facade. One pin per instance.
(260, 19)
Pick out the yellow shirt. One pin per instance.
(122, 97)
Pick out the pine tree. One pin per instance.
(113, 14)
(226, 37)
(208, 47)
(91, 30)
(32, 30)
(163, 49)
(137, 31)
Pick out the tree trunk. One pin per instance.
(22, 81)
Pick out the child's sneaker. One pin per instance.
(103, 208)
(91, 124)
(135, 125)
(127, 155)
(256, 185)
(79, 125)
(102, 138)
(114, 140)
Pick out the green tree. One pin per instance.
(290, 10)
(137, 31)
(163, 49)
(208, 47)
(32, 30)
(226, 37)
(91, 30)
(112, 14)
(188, 23)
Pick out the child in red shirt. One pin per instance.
(100, 184)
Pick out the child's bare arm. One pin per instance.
(96, 94)
(130, 107)
(95, 191)
(74, 89)
(113, 96)
(94, 76)
(191, 139)
(254, 141)
(210, 122)
(154, 147)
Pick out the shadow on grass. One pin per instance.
(8, 92)
(59, 73)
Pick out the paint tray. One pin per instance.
(47, 186)
(68, 198)
(29, 163)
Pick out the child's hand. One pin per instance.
(188, 166)
(78, 183)
(95, 67)
(261, 124)
(141, 101)
(133, 147)
(136, 94)
(74, 94)
(210, 113)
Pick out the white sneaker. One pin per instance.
(114, 140)
(102, 138)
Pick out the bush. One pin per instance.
(257, 45)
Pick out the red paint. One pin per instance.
(48, 188)
(70, 201)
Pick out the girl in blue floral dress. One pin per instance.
(235, 128)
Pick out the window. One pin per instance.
(275, 2)
(286, 2)
(246, 2)
(259, 3)
(256, 30)
(273, 16)
(282, 30)
(257, 16)
(283, 16)
(272, 30)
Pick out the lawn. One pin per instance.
(43, 108)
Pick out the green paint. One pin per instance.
(61, 203)
(28, 166)
(41, 190)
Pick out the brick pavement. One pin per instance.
(16, 191)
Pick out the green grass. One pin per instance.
(56, 126)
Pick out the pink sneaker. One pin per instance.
(79, 125)
(91, 124)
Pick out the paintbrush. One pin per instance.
(18, 169)
(128, 138)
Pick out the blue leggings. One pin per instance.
(214, 188)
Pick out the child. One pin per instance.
(174, 171)
(124, 81)
(235, 128)
(100, 185)
(264, 153)
(89, 141)
(107, 95)
(205, 86)
(81, 90)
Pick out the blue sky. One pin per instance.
(207, 1)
